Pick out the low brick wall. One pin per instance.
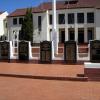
(92, 72)
(37, 50)
(83, 50)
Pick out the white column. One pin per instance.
(85, 35)
(76, 28)
(30, 51)
(11, 51)
(85, 27)
(66, 33)
(54, 31)
(47, 25)
(76, 34)
(54, 14)
(66, 27)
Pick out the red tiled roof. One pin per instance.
(60, 5)
(22, 12)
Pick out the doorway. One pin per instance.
(71, 34)
(61, 35)
(81, 35)
(90, 32)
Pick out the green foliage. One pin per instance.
(27, 26)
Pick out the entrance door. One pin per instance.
(81, 36)
(62, 36)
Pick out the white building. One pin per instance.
(3, 23)
(77, 20)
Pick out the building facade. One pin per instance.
(3, 23)
(77, 20)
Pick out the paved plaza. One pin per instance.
(24, 88)
(30, 69)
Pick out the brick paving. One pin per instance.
(30, 89)
(14, 88)
(56, 70)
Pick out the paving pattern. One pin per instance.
(30, 89)
(14, 88)
(59, 70)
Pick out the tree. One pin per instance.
(26, 32)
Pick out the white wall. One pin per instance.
(85, 25)
(98, 24)
(3, 17)
(44, 34)
(12, 27)
(37, 35)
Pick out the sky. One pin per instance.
(11, 5)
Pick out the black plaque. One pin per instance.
(70, 52)
(95, 51)
(46, 52)
(23, 49)
(5, 50)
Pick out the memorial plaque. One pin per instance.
(70, 52)
(95, 51)
(46, 52)
(5, 50)
(23, 49)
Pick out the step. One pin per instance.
(84, 79)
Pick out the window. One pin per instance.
(71, 18)
(14, 21)
(90, 34)
(39, 23)
(50, 19)
(61, 18)
(90, 17)
(80, 18)
(71, 1)
(20, 20)
(50, 34)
